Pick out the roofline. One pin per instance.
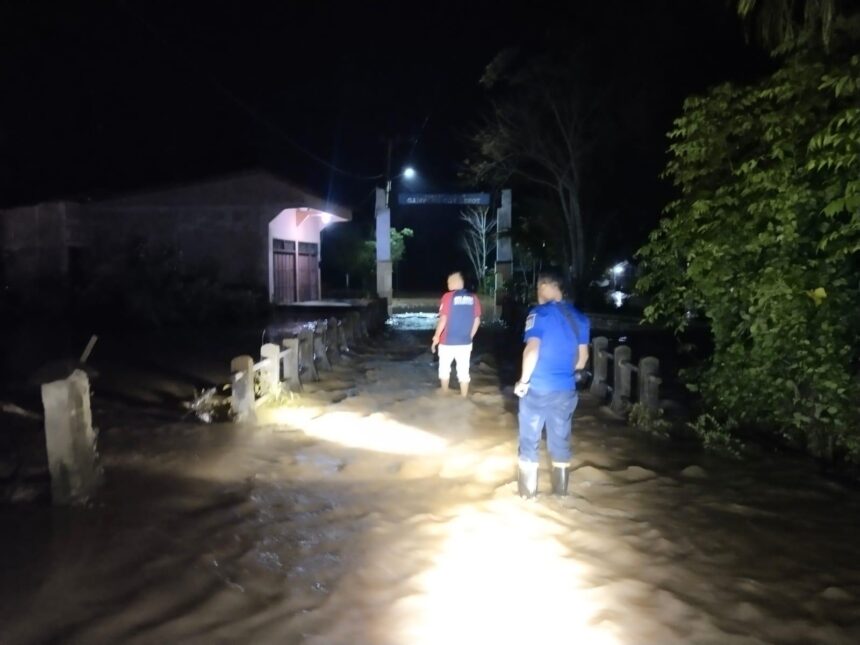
(327, 205)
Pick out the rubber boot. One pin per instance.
(527, 479)
(560, 477)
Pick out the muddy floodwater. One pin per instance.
(374, 510)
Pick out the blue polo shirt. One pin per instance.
(461, 308)
(559, 344)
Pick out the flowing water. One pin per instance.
(375, 510)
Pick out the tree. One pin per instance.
(764, 240)
(784, 25)
(349, 251)
(398, 249)
(540, 127)
(479, 240)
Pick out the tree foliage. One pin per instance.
(398, 246)
(764, 240)
(350, 251)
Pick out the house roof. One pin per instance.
(249, 188)
(255, 188)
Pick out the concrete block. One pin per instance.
(242, 397)
(621, 385)
(271, 375)
(320, 354)
(71, 440)
(291, 364)
(599, 366)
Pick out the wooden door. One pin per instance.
(308, 271)
(283, 271)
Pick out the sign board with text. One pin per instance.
(451, 199)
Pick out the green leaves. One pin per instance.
(817, 295)
(765, 242)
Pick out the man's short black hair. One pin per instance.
(551, 276)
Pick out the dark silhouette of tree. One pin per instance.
(541, 127)
(784, 25)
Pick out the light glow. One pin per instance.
(326, 218)
(502, 576)
(618, 269)
(618, 297)
(409, 173)
(375, 432)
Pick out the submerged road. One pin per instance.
(374, 510)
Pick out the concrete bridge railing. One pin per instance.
(309, 348)
(646, 375)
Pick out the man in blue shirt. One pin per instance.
(556, 337)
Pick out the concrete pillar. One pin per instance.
(291, 364)
(306, 354)
(357, 327)
(381, 309)
(332, 346)
(341, 336)
(320, 354)
(599, 366)
(504, 251)
(242, 396)
(271, 375)
(384, 286)
(71, 439)
(348, 331)
(621, 389)
(649, 383)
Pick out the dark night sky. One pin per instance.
(102, 96)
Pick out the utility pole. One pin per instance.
(384, 267)
(388, 170)
(391, 141)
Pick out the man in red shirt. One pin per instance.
(459, 319)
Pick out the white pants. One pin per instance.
(454, 353)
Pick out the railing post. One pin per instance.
(357, 330)
(600, 364)
(348, 331)
(341, 335)
(271, 375)
(306, 353)
(331, 340)
(242, 396)
(291, 364)
(649, 383)
(319, 344)
(71, 439)
(362, 323)
(621, 383)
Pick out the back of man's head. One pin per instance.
(552, 277)
(456, 281)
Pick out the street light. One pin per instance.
(408, 174)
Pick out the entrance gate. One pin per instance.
(504, 251)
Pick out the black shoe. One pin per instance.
(527, 480)
(560, 477)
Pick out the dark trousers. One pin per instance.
(555, 409)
